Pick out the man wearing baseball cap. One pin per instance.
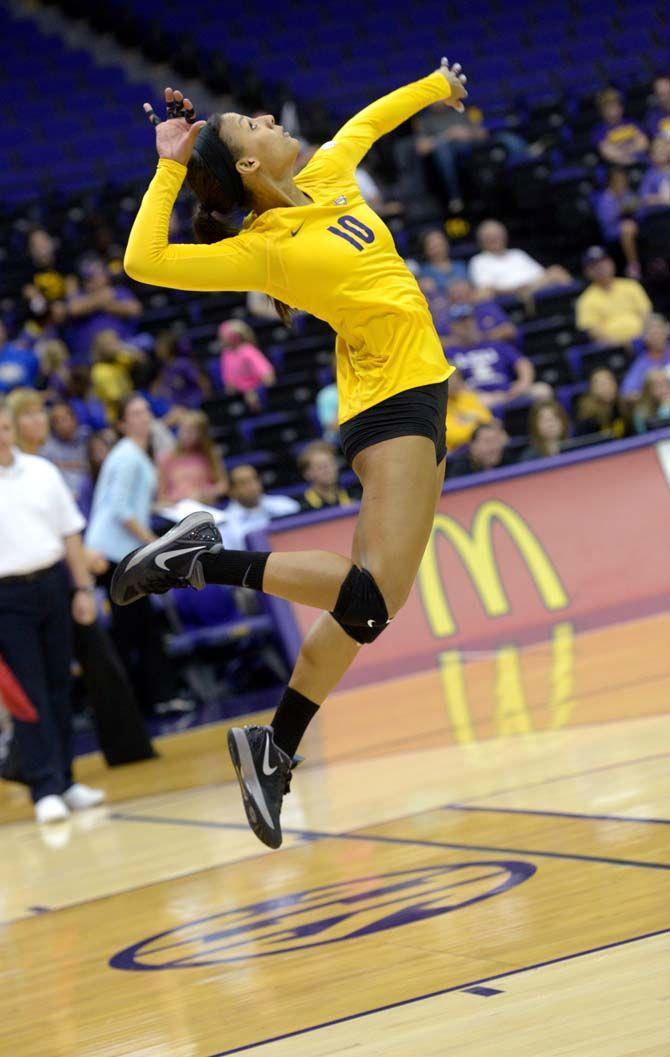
(611, 310)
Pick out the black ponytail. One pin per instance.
(220, 195)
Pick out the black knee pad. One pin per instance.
(360, 609)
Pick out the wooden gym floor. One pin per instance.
(475, 863)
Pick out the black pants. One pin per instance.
(116, 715)
(138, 639)
(35, 643)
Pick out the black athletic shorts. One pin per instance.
(415, 412)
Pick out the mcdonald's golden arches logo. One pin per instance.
(475, 550)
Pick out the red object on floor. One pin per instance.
(14, 696)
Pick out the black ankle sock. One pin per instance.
(236, 568)
(290, 721)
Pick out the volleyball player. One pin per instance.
(310, 242)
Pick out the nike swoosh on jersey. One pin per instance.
(161, 559)
(294, 233)
(266, 759)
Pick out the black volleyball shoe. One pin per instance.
(264, 773)
(171, 561)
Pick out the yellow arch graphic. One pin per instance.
(475, 550)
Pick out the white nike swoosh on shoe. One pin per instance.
(249, 776)
(266, 759)
(198, 519)
(161, 559)
(244, 578)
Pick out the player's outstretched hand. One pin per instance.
(175, 138)
(457, 80)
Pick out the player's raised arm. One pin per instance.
(356, 137)
(236, 263)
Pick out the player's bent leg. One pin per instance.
(400, 483)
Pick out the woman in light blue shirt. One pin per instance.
(121, 511)
(120, 521)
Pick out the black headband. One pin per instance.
(218, 159)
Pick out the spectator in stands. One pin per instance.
(244, 368)
(47, 284)
(599, 409)
(619, 140)
(658, 117)
(120, 521)
(66, 447)
(500, 270)
(611, 310)
(97, 306)
(438, 265)
(179, 383)
(443, 141)
(614, 209)
(653, 408)
(39, 533)
(53, 356)
(111, 373)
(465, 411)
(445, 136)
(318, 466)
(88, 408)
(548, 427)
(250, 510)
(193, 470)
(487, 451)
(491, 320)
(654, 352)
(327, 410)
(19, 365)
(495, 370)
(654, 189)
(31, 424)
(98, 447)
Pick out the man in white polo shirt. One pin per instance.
(40, 526)
(500, 270)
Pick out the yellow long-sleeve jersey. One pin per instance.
(333, 257)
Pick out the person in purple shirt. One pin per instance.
(613, 208)
(654, 189)
(492, 321)
(653, 352)
(619, 140)
(658, 117)
(494, 369)
(98, 306)
(179, 382)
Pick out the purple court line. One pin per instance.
(381, 839)
(442, 991)
(163, 880)
(557, 814)
(312, 835)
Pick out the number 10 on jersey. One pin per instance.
(353, 231)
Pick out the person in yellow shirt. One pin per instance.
(310, 242)
(465, 411)
(111, 371)
(611, 310)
